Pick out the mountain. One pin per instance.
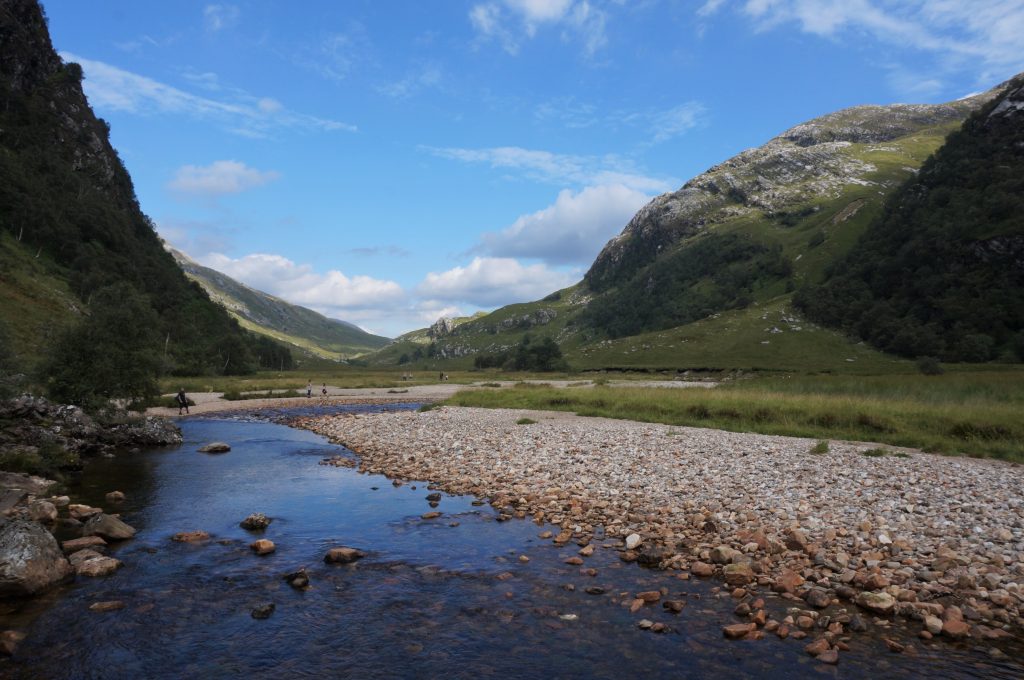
(302, 328)
(71, 226)
(941, 272)
(704, 277)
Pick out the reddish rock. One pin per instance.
(956, 629)
(343, 555)
(817, 647)
(263, 546)
(649, 595)
(788, 582)
(674, 606)
(574, 560)
(115, 497)
(430, 515)
(190, 536)
(702, 569)
(737, 630)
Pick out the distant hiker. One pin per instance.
(182, 401)
(309, 389)
(440, 377)
(323, 390)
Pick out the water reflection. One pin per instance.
(431, 599)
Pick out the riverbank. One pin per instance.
(936, 539)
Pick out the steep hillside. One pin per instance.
(267, 315)
(72, 225)
(733, 243)
(941, 272)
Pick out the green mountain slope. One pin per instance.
(267, 315)
(71, 223)
(941, 272)
(704, 277)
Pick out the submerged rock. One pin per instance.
(215, 447)
(257, 521)
(343, 555)
(108, 527)
(263, 611)
(30, 559)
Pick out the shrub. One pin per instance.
(929, 366)
(525, 421)
(820, 447)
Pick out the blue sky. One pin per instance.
(387, 163)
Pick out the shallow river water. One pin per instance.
(426, 602)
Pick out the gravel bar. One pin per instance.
(937, 539)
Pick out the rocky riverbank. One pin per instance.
(935, 539)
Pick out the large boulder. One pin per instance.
(108, 527)
(30, 559)
(215, 447)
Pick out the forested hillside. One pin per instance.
(73, 234)
(941, 272)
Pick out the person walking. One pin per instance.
(309, 389)
(182, 400)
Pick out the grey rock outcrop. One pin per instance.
(30, 559)
(441, 328)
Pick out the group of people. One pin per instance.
(181, 399)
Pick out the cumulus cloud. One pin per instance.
(570, 231)
(510, 22)
(218, 178)
(492, 281)
(546, 166)
(111, 88)
(331, 293)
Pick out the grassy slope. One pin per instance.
(310, 332)
(35, 299)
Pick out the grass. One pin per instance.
(969, 413)
(526, 421)
(820, 447)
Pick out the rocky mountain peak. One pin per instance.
(813, 159)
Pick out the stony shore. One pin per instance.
(939, 540)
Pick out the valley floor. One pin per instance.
(938, 539)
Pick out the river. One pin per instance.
(431, 599)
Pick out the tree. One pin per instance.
(113, 353)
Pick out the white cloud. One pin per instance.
(426, 76)
(109, 87)
(562, 169)
(332, 293)
(509, 22)
(983, 36)
(217, 17)
(676, 121)
(570, 231)
(493, 281)
(220, 177)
